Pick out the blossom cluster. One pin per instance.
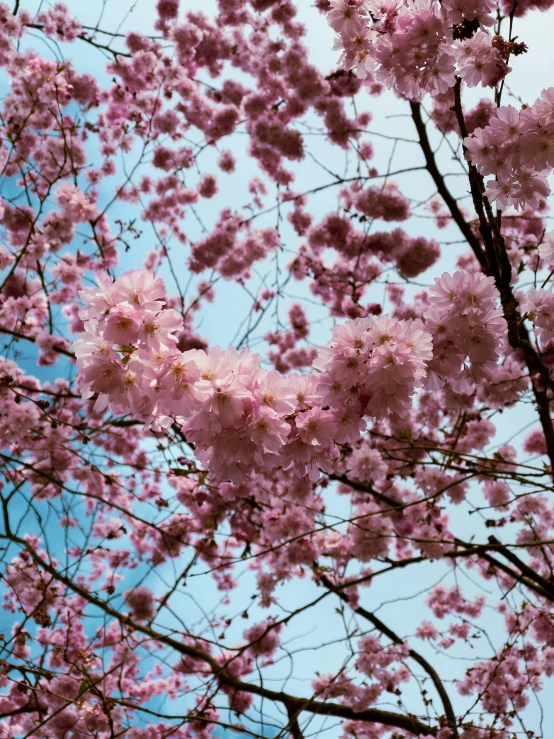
(243, 418)
(537, 304)
(468, 330)
(360, 256)
(420, 46)
(517, 148)
(240, 417)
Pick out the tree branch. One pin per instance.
(498, 265)
(384, 629)
(292, 703)
(32, 339)
(523, 574)
(443, 190)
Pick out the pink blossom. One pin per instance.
(122, 325)
(546, 249)
(141, 602)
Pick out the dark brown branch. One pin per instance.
(82, 37)
(477, 189)
(292, 703)
(17, 335)
(293, 724)
(524, 568)
(23, 709)
(523, 574)
(482, 550)
(498, 265)
(384, 629)
(443, 190)
(393, 504)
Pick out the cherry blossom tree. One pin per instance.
(341, 521)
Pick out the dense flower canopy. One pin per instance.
(206, 540)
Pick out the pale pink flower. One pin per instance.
(141, 289)
(546, 249)
(316, 427)
(274, 391)
(502, 193)
(268, 431)
(505, 125)
(367, 465)
(157, 331)
(480, 151)
(98, 299)
(345, 17)
(122, 325)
